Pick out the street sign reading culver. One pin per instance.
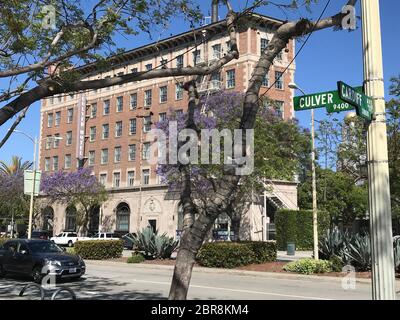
(363, 104)
(330, 100)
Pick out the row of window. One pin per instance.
(130, 178)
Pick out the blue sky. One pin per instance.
(328, 56)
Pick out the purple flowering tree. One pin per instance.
(80, 189)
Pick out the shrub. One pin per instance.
(136, 258)
(309, 266)
(99, 249)
(337, 264)
(3, 240)
(70, 250)
(296, 226)
(153, 246)
(235, 254)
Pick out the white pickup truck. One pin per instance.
(66, 239)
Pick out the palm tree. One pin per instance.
(16, 166)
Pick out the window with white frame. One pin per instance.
(106, 131)
(279, 107)
(116, 179)
(117, 154)
(279, 81)
(216, 49)
(179, 61)
(132, 126)
(103, 178)
(178, 91)
(93, 110)
(68, 138)
(67, 161)
(196, 57)
(163, 94)
(56, 140)
(147, 98)
(130, 179)
(147, 124)
(230, 79)
(146, 151)
(50, 119)
(265, 82)
(132, 152)
(133, 101)
(55, 163)
(118, 129)
(263, 45)
(92, 134)
(57, 118)
(149, 66)
(162, 116)
(48, 142)
(104, 156)
(92, 158)
(146, 176)
(120, 104)
(47, 164)
(106, 107)
(70, 115)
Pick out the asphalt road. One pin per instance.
(110, 280)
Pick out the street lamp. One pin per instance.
(34, 165)
(294, 86)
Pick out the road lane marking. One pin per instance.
(238, 290)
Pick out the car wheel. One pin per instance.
(70, 244)
(37, 275)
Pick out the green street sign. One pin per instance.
(363, 104)
(330, 100)
(28, 182)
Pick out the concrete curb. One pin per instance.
(273, 275)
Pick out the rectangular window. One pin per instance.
(134, 70)
(92, 134)
(279, 84)
(163, 94)
(215, 81)
(68, 138)
(132, 126)
(196, 57)
(230, 79)
(103, 178)
(263, 45)
(228, 46)
(92, 155)
(49, 120)
(93, 111)
(70, 115)
(51, 100)
(106, 107)
(279, 106)
(164, 63)
(67, 161)
(56, 140)
(104, 156)
(133, 101)
(147, 124)
(179, 113)
(279, 56)
(48, 142)
(46, 164)
(116, 179)
(55, 164)
(149, 66)
(216, 51)
(132, 152)
(131, 179)
(117, 154)
(162, 116)
(58, 118)
(146, 151)
(120, 104)
(178, 91)
(118, 129)
(147, 98)
(146, 176)
(179, 61)
(106, 131)
(265, 82)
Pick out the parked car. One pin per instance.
(39, 234)
(128, 240)
(101, 236)
(66, 239)
(37, 258)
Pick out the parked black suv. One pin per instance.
(37, 258)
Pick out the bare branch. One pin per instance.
(14, 125)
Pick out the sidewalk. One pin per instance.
(282, 256)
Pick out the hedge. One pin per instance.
(297, 226)
(234, 254)
(99, 249)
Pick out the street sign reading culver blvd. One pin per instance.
(363, 104)
(330, 100)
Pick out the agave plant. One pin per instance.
(332, 244)
(154, 246)
(358, 252)
(396, 247)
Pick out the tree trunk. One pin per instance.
(191, 242)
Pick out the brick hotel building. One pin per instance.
(117, 119)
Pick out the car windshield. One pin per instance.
(44, 247)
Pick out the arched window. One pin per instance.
(48, 218)
(123, 213)
(70, 219)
